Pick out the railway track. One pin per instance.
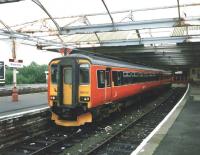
(20, 127)
(128, 138)
(101, 137)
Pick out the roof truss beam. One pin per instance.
(9, 1)
(31, 39)
(133, 25)
(153, 40)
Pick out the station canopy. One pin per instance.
(164, 33)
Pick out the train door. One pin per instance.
(67, 85)
(108, 84)
(67, 81)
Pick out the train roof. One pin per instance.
(97, 60)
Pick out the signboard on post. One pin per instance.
(15, 63)
(2, 70)
(2, 73)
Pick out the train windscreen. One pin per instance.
(54, 74)
(84, 74)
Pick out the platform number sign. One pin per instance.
(2, 70)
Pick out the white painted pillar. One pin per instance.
(14, 77)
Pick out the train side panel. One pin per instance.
(99, 95)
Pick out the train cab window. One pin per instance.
(54, 74)
(101, 78)
(84, 74)
(67, 75)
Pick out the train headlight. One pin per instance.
(53, 97)
(85, 98)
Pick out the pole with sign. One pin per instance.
(13, 63)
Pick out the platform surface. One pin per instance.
(180, 132)
(21, 86)
(26, 102)
(183, 138)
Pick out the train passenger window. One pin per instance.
(101, 78)
(120, 78)
(84, 74)
(129, 77)
(125, 78)
(108, 78)
(133, 78)
(115, 79)
(148, 77)
(144, 77)
(139, 77)
(136, 77)
(67, 75)
(54, 73)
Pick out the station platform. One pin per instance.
(22, 86)
(27, 103)
(23, 89)
(179, 132)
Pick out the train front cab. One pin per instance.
(69, 91)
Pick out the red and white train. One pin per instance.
(81, 87)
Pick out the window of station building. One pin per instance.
(54, 73)
(101, 78)
(67, 75)
(84, 74)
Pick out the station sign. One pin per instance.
(2, 70)
(15, 63)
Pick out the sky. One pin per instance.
(26, 53)
(24, 11)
